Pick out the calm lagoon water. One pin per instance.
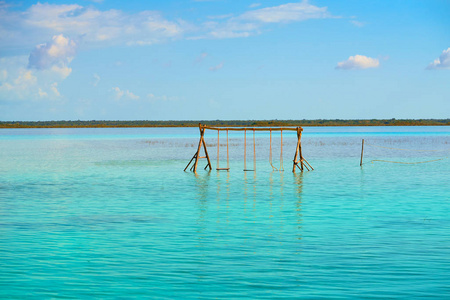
(109, 213)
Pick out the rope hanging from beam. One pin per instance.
(281, 152)
(202, 144)
(218, 154)
(270, 153)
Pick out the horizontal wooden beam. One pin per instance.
(253, 128)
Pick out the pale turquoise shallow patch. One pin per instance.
(109, 213)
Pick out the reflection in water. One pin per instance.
(202, 183)
(275, 215)
(299, 183)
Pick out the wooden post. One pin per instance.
(202, 131)
(218, 146)
(245, 150)
(299, 135)
(206, 152)
(298, 152)
(362, 151)
(298, 157)
(197, 156)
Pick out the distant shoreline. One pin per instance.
(223, 123)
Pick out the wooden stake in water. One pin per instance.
(362, 151)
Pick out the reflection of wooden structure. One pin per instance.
(299, 161)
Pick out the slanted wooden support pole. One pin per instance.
(362, 151)
(298, 152)
(197, 156)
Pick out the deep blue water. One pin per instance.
(109, 213)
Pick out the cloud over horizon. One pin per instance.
(54, 55)
(285, 13)
(87, 23)
(358, 62)
(442, 62)
(124, 94)
(250, 23)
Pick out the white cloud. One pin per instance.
(216, 68)
(90, 26)
(62, 71)
(94, 26)
(358, 62)
(124, 94)
(153, 98)
(442, 62)
(54, 89)
(42, 94)
(357, 23)
(54, 55)
(23, 84)
(251, 22)
(289, 12)
(253, 5)
(26, 78)
(119, 92)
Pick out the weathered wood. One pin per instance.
(253, 128)
(199, 146)
(245, 149)
(296, 152)
(308, 163)
(206, 153)
(298, 157)
(228, 155)
(299, 136)
(218, 147)
(254, 150)
(190, 161)
(362, 151)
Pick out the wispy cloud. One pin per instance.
(357, 23)
(89, 23)
(127, 95)
(290, 12)
(358, 62)
(201, 58)
(163, 98)
(19, 83)
(216, 68)
(91, 26)
(220, 17)
(442, 62)
(253, 5)
(251, 22)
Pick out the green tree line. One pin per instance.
(223, 123)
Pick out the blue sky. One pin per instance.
(223, 59)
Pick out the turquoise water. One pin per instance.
(109, 213)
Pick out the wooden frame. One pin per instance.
(298, 161)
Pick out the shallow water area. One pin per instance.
(110, 213)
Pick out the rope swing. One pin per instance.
(270, 153)
(228, 156)
(298, 158)
(281, 152)
(245, 151)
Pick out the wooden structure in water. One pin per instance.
(299, 161)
